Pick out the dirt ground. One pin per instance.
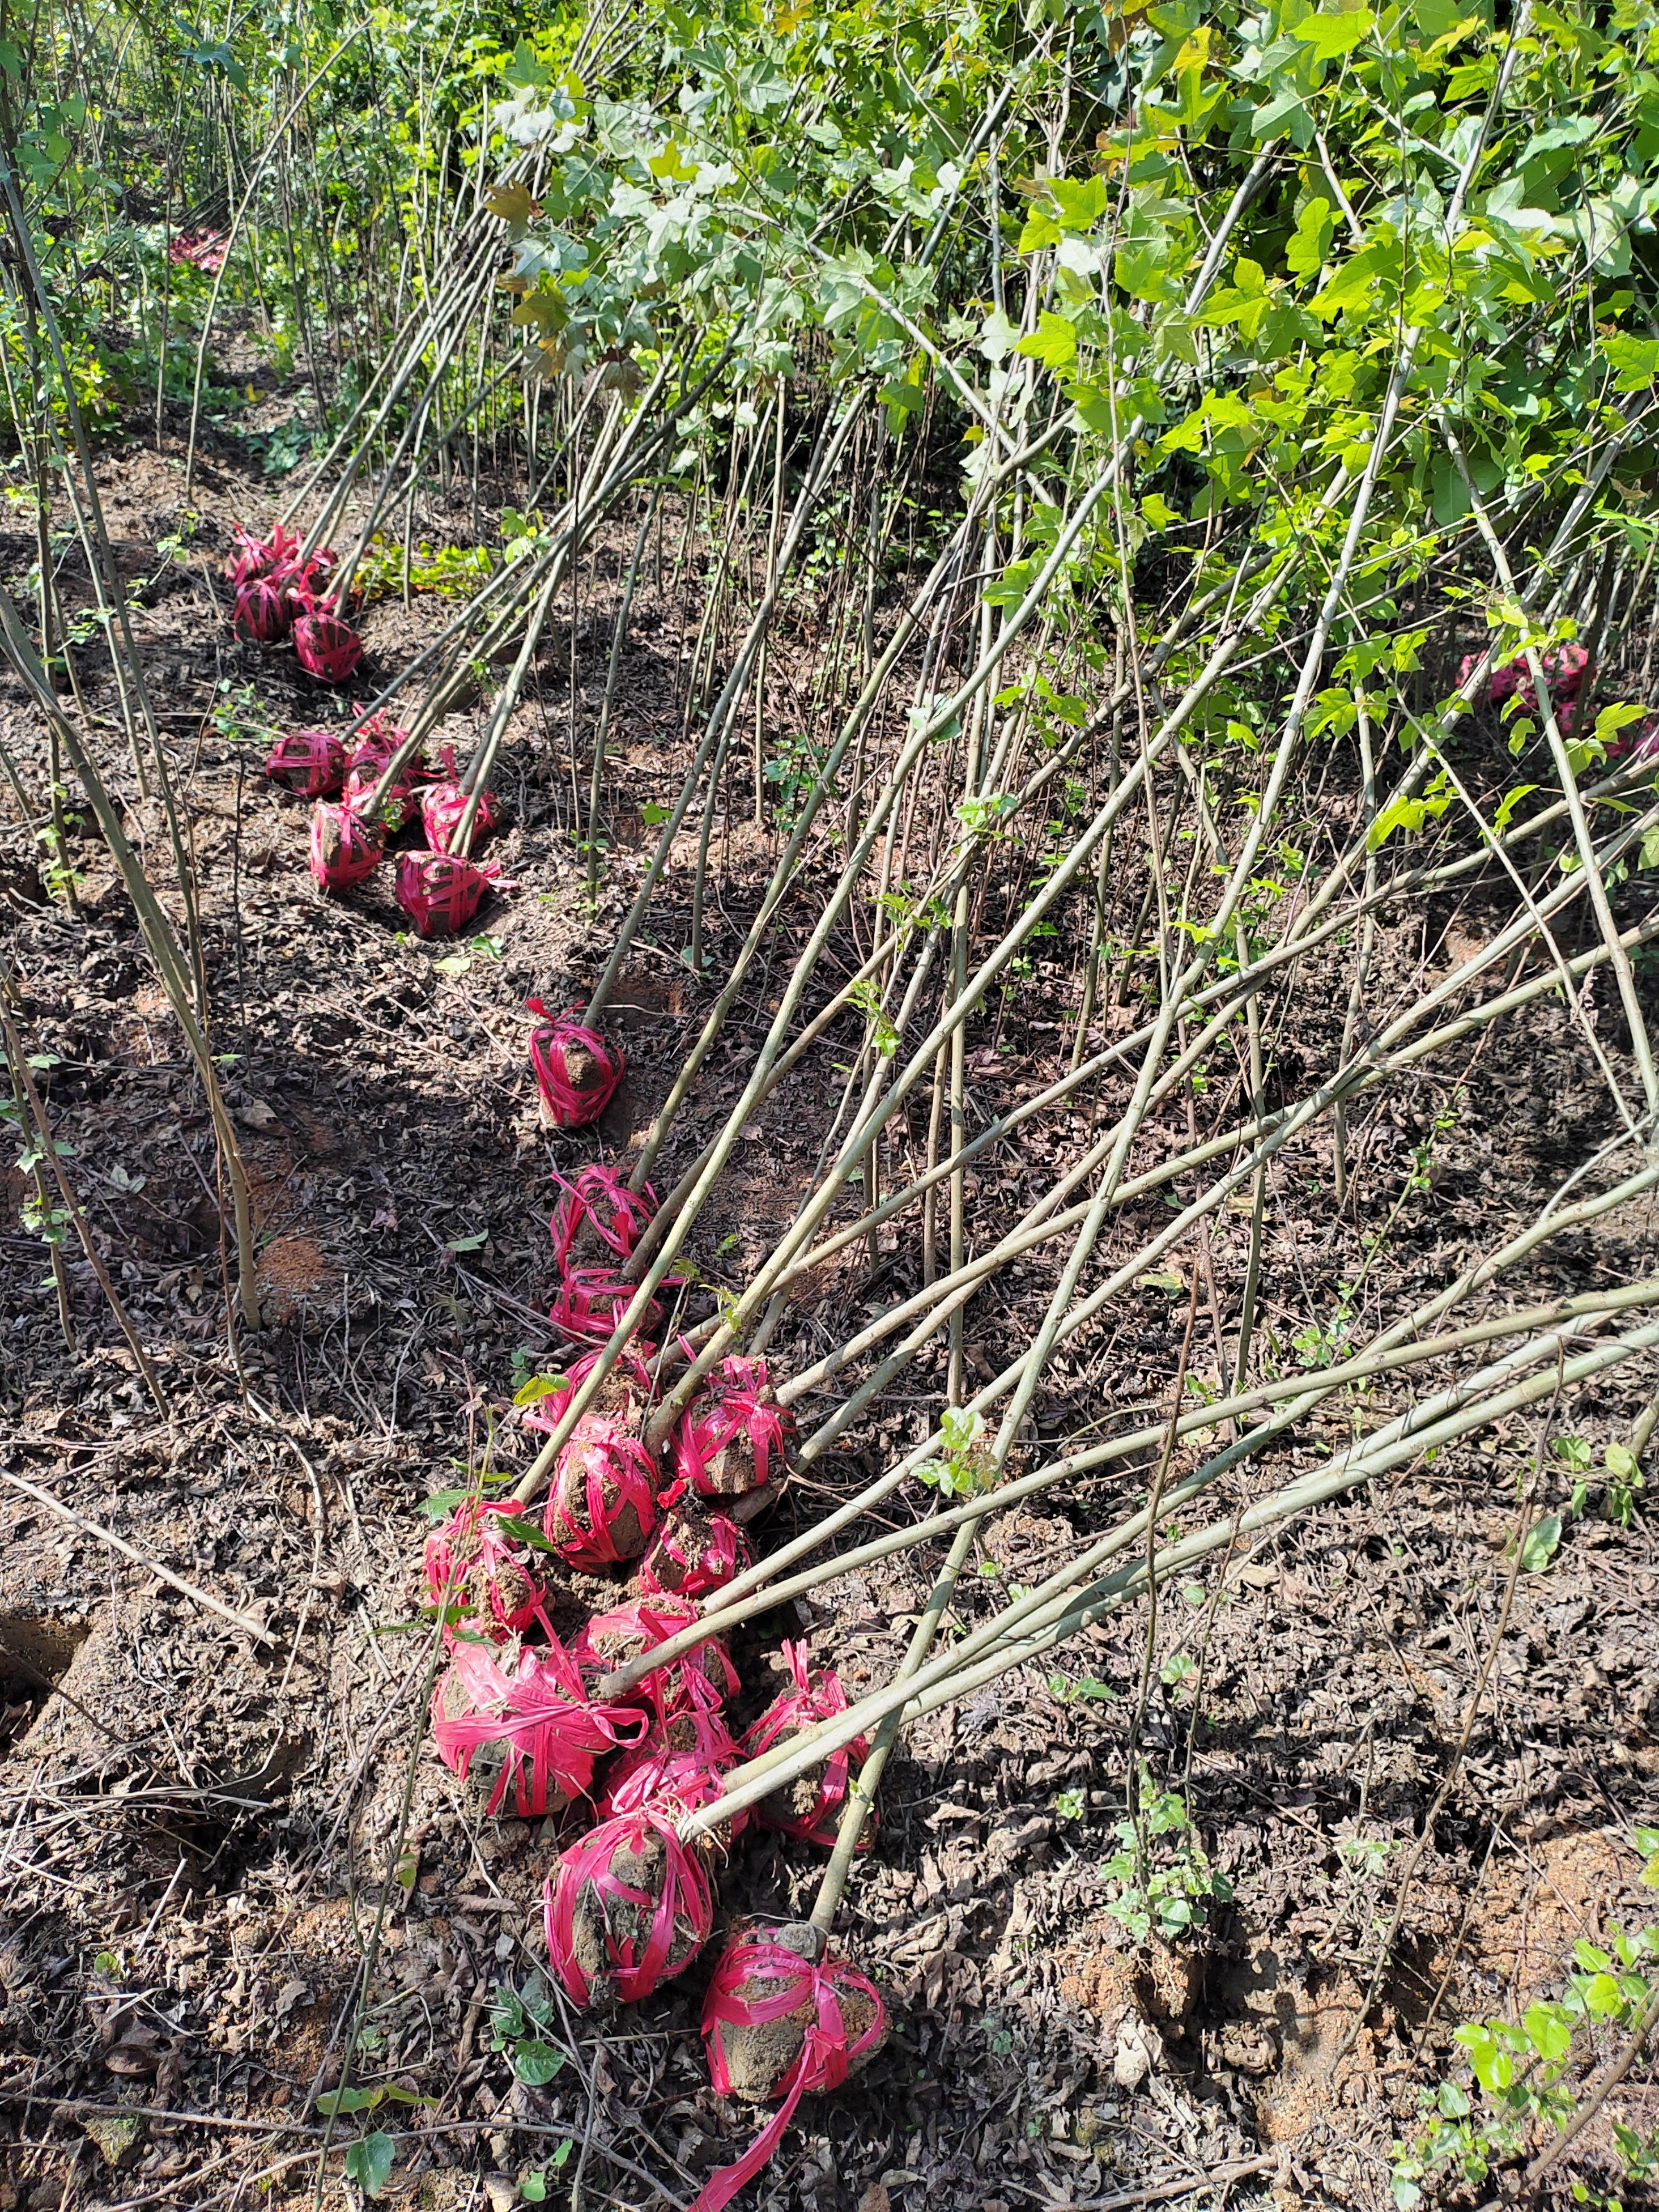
(202, 1837)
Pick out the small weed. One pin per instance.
(1525, 2076)
(967, 1467)
(1171, 1890)
(1323, 1344)
(793, 772)
(516, 2019)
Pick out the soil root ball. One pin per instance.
(807, 1808)
(627, 1908)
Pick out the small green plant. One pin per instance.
(966, 1466)
(238, 716)
(1525, 2073)
(1621, 1478)
(1165, 1884)
(58, 872)
(1323, 1344)
(532, 2187)
(1087, 1687)
(1180, 1667)
(867, 997)
(1070, 1804)
(368, 2161)
(792, 771)
(516, 2019)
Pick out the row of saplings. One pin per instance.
(631, 1904)
(282, 595)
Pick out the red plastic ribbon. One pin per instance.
(309, 761)
(399, 806)
(345, 848)
(738, 1402)
(264, 610)
(599, 1196)
(375, 743)
(637, 1969)
(442, 805)
(470, 1564)
(681, 1763)
(441, 894)
(591, 1304)
(199, 249)
(325, 645)
(1564, 667)
(603, 1471)
(277, 556)
(547, 1411)
(533, 1707)
(570, 1107)
(692, 1554)
(686, 1685)
(758, 1982)
(814, 1697)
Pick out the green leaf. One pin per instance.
(333, 2102)
(1494, 2069)
(1405, 812)
(539, 1386)
(1511, 799)
(1634, 362)
(1331, 36)
(1054, 341)
(1548, 2030)
(368, 2163)
(1612, 720)
(1602, 1997)
(532, 2187)
(1540, 1544)
(535, 2063)
(1304, 256)
(468, 1243)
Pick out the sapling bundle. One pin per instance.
(278, 557)
(264, 611)
(325, 645)
(602, 1507)
(346, 845)
(577, 1069)
(444, 802)
(597, 1204)
(807, 1807)
(526, 1706)
(632, 1631)
(376, 744)
(478, 1569)
(731, 1438)
(592, 1302)
(694, 1551)
(625, 1395)
(681, 1765)
(626, 1909)
(312, 763)
(441, 893)
(782, 2019)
